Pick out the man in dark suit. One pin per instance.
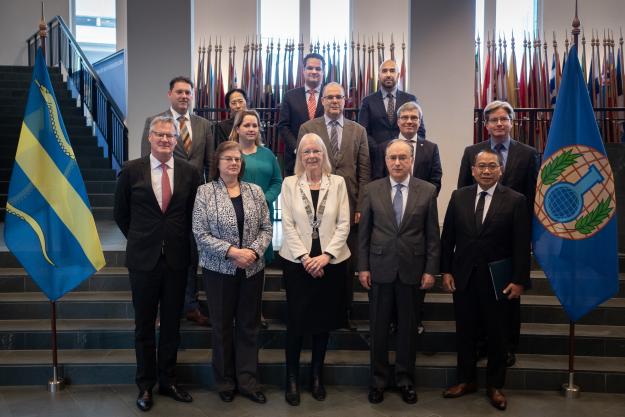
(300, 105)
(378, 115)
(484, 223)
(195, 145)
(346, 142)
(153, 205)
(520, 163)
(399, 253)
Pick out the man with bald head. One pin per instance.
(379, 118)
(347, 146)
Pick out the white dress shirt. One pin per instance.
(404, 192)
(487, 199)
(156, 173)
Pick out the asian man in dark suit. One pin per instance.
(349, 158)
(399, 253)
(521, 163)
(194, 145)
(378, 115)
(484, 223)
(299, 106)
(153, 205)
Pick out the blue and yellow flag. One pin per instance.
(48, 224)
(575, 230)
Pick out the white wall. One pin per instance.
(19, 20)
(604, 14)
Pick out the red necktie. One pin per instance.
(312, 104)
(165, 188)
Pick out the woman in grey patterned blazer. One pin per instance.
(232, 229)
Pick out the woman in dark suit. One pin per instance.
(315, 226)
(232, 230)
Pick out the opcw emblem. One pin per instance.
(575, 192)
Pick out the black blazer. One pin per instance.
(148, 231)
(294, 113)
(505, 233)
(223, 130)
(519, 174)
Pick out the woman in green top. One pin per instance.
(261, 165)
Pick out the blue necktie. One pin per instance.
(398, 203)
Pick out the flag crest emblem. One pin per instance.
(575, 196)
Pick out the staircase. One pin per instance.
(96, 169)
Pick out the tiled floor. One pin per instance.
(118, 401)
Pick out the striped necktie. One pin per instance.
(312, 104)
(184, 134)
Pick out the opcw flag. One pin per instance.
(48, 224)
(575, 230)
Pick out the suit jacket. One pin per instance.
(223, 130)
(406, 251)
(520, 172)
(202, 147)
(353, 160)
(373, 117)
(294, 113)
(296, 228)
(215, 226)
(505, 233)
(149, 231)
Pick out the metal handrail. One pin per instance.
(62, 50)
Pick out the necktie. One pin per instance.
(334, 139)
(499, 149)
(390, 109)
(479, 210)
(398, 202)
(184, 134)
(312, 104)
(165, 189)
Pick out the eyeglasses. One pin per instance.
(337, 97)
(484, 167)
(162, 135)
(406, 118)
(235, 159)
(400, 158)
(496, 120)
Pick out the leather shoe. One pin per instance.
(497, 399)
(291, 395)
(376, 395)
(175, 392)
(460, 389)
(197, 317)
(227, 396)
(408, 394)
(317, 389)
(257, 396)
(510, 359)
(144, 400)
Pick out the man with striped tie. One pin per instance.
(194, 145)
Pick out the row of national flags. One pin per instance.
(534, 83)
(271, 67)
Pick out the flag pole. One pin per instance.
(569, 389)
(56, 383)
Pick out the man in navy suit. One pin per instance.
(378, 115)
(299, 106)
(153, 205)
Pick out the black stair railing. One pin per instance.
(62, 50)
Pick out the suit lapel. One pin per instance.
(419, 158)
(379, 103)
(468, 202)
(147, 180)
(495, 204)
(178, 181)
(413, 191)
(510, 162)
(387, 203)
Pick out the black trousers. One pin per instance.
(234, 304)
(383, 300)
(476, 307)
(165, 287)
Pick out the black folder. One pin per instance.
(501, 275)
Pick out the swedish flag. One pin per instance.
(48, 225)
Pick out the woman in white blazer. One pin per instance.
(315, 226)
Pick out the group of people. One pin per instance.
(357, 197)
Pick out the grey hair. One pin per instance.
(326, 168)
(163, 119)
(496, 105)
(397, 140)
(410, 105)
(333, 83)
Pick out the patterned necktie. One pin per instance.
(165, 189)
(398, 202)
(390, 109)
(184, 134)
(479, 210)
(499, 148)
(312, 104)
(334, 139)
